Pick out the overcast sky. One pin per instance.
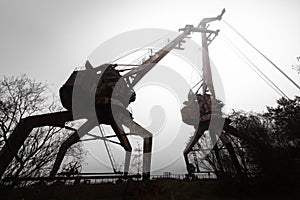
(48, 39)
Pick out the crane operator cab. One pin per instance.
(200, 106)
(98, 83)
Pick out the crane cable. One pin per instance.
(282, 72)
(131, 52)
(139, 59)
(110, 155)
(107, 147)
(264, 77)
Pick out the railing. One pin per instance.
(96, 178)
(199, 175)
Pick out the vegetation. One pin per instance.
(269, 149)
(21, 97)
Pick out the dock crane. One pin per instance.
(205, 103)
(100, 95)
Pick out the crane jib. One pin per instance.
(146, 66)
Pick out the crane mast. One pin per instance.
(206, 40)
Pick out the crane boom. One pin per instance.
(135, 75)
(138, 73)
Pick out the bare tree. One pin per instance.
(21, 97)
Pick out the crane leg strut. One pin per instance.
(22, 131)
(147, 137)
(72, 139)
(58, 119)
(224, 139)
(189, 147)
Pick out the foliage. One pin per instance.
(286, 120)
(269, 146)
(271, 140)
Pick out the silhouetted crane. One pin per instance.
(203, 110)
(94, 97)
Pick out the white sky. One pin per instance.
(48, 39)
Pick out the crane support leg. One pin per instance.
(191, 144)
(23, 129)
(72, 139)
(213, 136)
(147, 147)
(147, 153)
(230, 149)
(146, 135)
(127, 162)
(125, 144)
(233, 131)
